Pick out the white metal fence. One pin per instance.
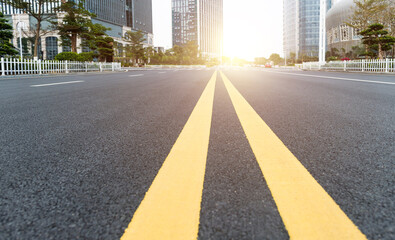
(12, 66)
(371, 65)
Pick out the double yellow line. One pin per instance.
(171, 207)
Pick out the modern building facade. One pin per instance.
(301, 19)
(200, 21)
(119, 15)
(340, 36)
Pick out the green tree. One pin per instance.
(344, 52)
(99, 42)
(149, 54)
(376, 37)
(6, 48)
(292, 57)
(366, 12)
(275, 58)
(36, 10)
(135, 49)
(389, 19)
(178, 53)
(85, 57)
(260, 61)
(69, 56)
(334, 52)
(76, 21)
(357, 51)
(191, 52)
(186, 54)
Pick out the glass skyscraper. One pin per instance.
(48, 7)
(136, 14)
(200, 21)
(118, 15)
(301, 27)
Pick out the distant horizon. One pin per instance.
(246, 39)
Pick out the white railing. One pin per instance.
(12, 66)
(175, 66)
(370, 65)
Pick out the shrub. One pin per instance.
(85, 57)
(67, 56)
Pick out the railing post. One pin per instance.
(86, 66)
(113, 67)
(39, 67)
(386, 65)
(363, 65)
(345, 66)
(66, 67)
(100, 67)
(2, 67)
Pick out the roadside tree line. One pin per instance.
(375, 22)
(136, 53)
(71, 21)
(274, 59)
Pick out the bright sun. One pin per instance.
(253, 28)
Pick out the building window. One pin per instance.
(25, 47)
(345, 33)
(330, 36)
(335, 34)
(120, 49)
(356, 33)
(51, 44)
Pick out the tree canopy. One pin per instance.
(375, 37)
(75, 22)
(275, 58)
(135, 49)
(99, 42)
(6, 48)
(186, 54)
(36, 10)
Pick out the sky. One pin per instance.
(252, 28)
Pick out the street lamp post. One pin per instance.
(285, 58)
(20, 36)
(322, 31)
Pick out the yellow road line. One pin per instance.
(307, 210)
(171, 207)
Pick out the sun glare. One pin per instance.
(252, 29)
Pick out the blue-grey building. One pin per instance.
(301, 19)
(200, 21)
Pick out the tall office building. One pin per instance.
(200, 21)
(301, 19)
(136, 14)
(119, 15)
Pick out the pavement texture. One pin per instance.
(77, 159)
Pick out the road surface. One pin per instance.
(264, 154)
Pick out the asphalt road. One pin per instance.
(79, 152)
